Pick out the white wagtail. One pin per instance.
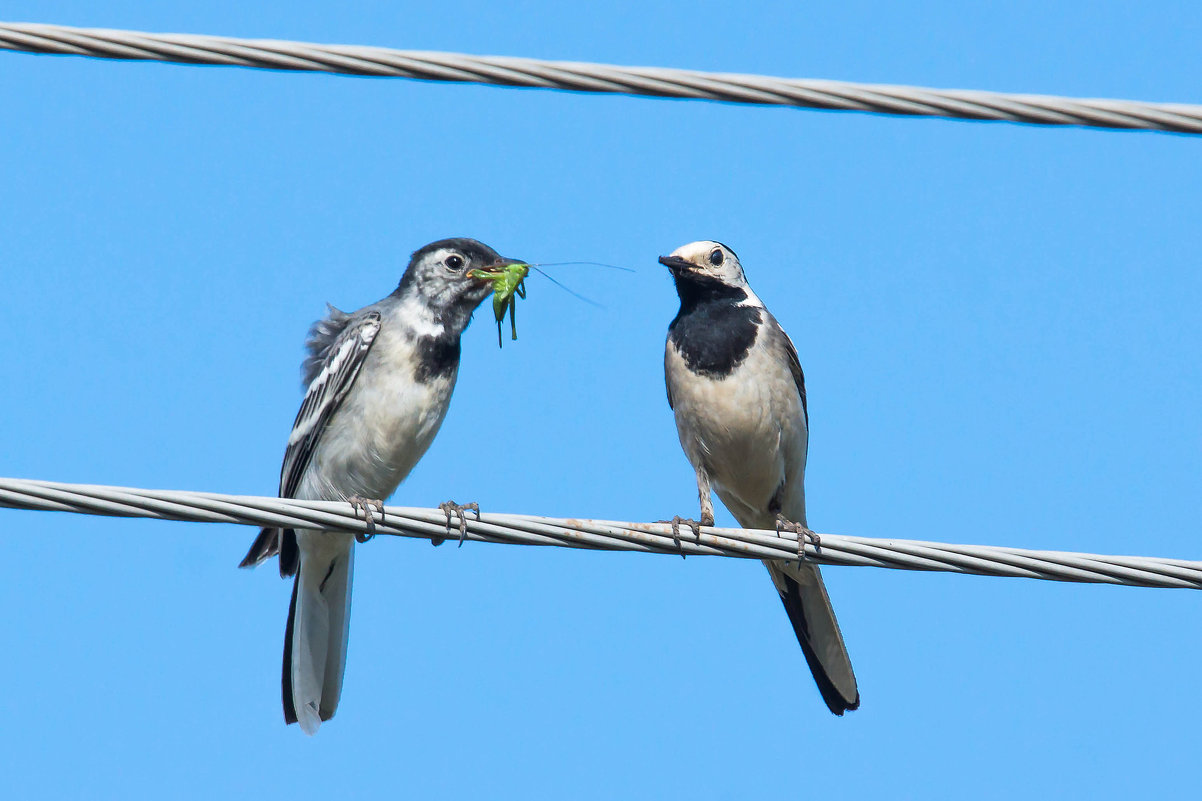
(738, 393)
(379, 383)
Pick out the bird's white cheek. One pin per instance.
(417, 317)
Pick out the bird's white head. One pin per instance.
(706, 261)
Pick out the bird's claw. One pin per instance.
(365, 505)
(803, 534)
(676, 523)
(450, 507)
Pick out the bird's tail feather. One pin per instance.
(809, 608)
(265, 546)
(272, 541)
(316, 637)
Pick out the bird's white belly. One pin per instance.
(748, 435)
(395, 419)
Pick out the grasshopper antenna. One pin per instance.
(580, 264)
(571, 292)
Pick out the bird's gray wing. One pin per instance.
(668, 378)
(329, 382)
(338, 346)
(804, 595)
(794, 367)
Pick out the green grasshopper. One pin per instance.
(507, 281)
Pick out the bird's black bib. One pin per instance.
(712, 333)
(437, 357)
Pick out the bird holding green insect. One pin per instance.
(508, 280)
(509, 283)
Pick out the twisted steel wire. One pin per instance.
(586, 77)
(207, 507)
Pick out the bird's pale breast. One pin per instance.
(383, 427)
(746, 430)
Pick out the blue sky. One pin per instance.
(999, 326)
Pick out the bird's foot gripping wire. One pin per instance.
(449, 508)
(803, 534)
(677, 521)
(364, 505)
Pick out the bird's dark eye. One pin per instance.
(454, 261)
(716, 256)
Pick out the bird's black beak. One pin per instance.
(675, 264)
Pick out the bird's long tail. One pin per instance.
(316, 637)
(809, 608)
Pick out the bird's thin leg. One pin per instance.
(707, 514)
(365, 505)
(676, 522)
(475, 507)
(449, 508)
(803, 534)
(707, 505)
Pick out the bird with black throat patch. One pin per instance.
(738, 394)
(379, 381)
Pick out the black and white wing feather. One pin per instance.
(328, 386)
(338, 347)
